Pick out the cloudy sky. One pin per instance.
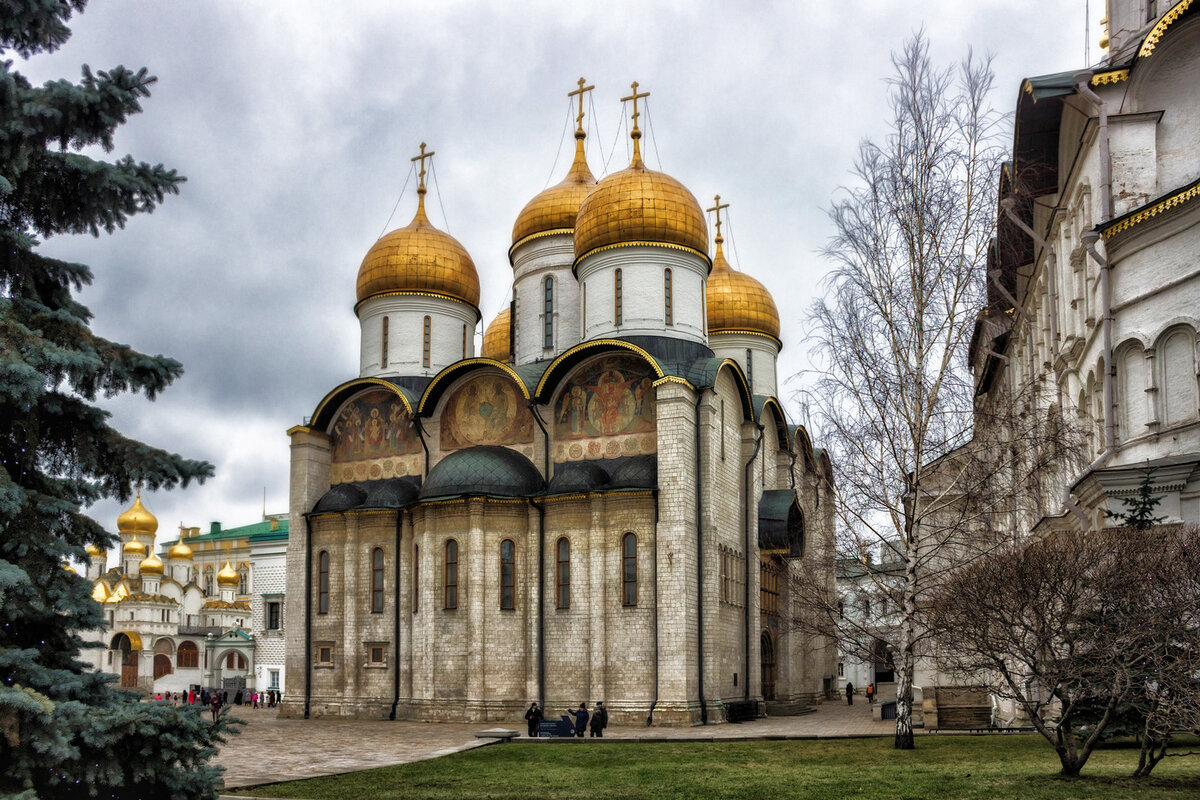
(294, 123)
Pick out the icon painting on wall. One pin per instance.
(489, 411)
(606, 410)
(373, 438)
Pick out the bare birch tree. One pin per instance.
(894, 393)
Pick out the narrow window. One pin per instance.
(243, 580)
(548, 333)
(722, 430)
(425, 351)
(383, 345)
(583, 322)
(377, 655)
(564, 573)
(508, 568)
(377, 581)
(416, 578)
(667, 297)
(274, 616)
(451, 593)
(629, 573)
(750, 368)
(323, 583)
(618, 310)
(464, 355)
(325, 655)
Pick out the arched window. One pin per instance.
(451, 593)
(563, 574)
(377, 581)
(629, 570)
(425, 345)
(508, 576)
(1177, 354)
(383, 344)
(187, 656)
(750, 368)
(464, 355)
(548, 328)
(618, 309)
(795, 531)
(162, 666)
(668, 314)
(208, 581)
(243, 579)
(416, 578)
(583, 317)
(323, 582)
(235, 660)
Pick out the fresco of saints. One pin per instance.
(374, 431)
(397, 422)
(574, 407)
(612, 402)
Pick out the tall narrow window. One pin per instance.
(425, 350)
(618, 310)
(548, 328)
(383, 344)
(464, 341)
(667, 311)
(323, 583)
(583, 321)
(377, 581)
(416, 578)
(451, 593)
(563, 575)
(750, 368)
(629, 571)
(721, 431)
(508, 569)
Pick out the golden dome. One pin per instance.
(93, 551)
(135, 548)
(227, 576)
(498, 337)
(137, 519)
(70, 569)
(555, 208)
(737, 303)
(180, 551)
(151, 565)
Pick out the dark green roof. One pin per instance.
(483, 470)
(255, 531)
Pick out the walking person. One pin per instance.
(581, 719)
(849, 693)
(534, 717)
(599, 720)
(870, 694)
(215, 706)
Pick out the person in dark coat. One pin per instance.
(534, 717)
(215, 705)
(581, 719)
(849, 693)
(599, 720)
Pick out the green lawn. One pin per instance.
(1002, 766)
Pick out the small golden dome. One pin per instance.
(180, 551)
(738, 303)
(135, 548)
(227, 576)
(151, 565)
(137, 519)
(555, 208)
(69, 568)
(93, 551)
(498, 337)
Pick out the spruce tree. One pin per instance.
(1139, 509)
(65, 730)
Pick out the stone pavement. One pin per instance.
(271, 749)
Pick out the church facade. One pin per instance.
(603, 505)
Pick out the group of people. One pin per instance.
(205, 697)
(850, 693)
(596, 722)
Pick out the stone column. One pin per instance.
(597, 599)
(527, 572)
(351, 603)
(474, 585)
(406, 589)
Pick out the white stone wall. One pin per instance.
(534, 261)
(761, 367)
(643, 293)
(448, 319)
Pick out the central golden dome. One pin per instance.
(556, 208)
(136, 519)
(737, 303)
(639, 205)
(151, 565)
(498, 337)
(419, 259)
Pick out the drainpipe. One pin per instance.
(699, 567)
(1083, 86)
(747, 486)
(421, 435)
(396, 630)
(1051, 284)
(541, 558)
(654, 702)
(307, 614)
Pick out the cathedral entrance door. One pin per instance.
(129, 660)
(768, 667)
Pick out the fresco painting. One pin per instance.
(487, 410)
(373, 438)
(606, 410)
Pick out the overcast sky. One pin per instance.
(294, 123)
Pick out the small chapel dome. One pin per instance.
(151, 565)
(419, 258)
(227, 576)
(93, 551)
(498, 337)
(135, 548)
(180, 552)
(136, 519)
(555, 208)
(737, 303)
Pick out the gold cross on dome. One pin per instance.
(635, 97)
(581, 91)
(717, 208)
(421, 158)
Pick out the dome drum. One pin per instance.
(451, 334)
(642, 293)
(529, 291)
(756, 353)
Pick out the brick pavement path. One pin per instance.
(271, 749)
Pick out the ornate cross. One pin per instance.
(717, 208)
(580, 92)
(421, 158)
(635, 97)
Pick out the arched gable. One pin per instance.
(561, 367)
(485, 407)
(326, 410)
(804, 449)
(1156, 34)
(771, 411)
(605, 409)
(372, 436)
(447, 378)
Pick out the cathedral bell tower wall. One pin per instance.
(534, 261)
(643, 290)
(423, 334)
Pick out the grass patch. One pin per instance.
(1021, 766)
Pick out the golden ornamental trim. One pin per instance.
(720, 331)
(673, 379)
(1113, 76)
(413, 293)
(460, 366)
(336, 389)
(597, 343)
(681, 247)
(539, 235)
(1153, 211)
(1160, 28)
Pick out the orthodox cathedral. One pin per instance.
(604, 504)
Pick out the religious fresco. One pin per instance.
(606, 410)
(487, 410)
(373, 438)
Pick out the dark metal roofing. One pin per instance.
(483, 470)
(342, 497)
(387, 493)
(773, 511)
(577, 476)
(635, 472)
